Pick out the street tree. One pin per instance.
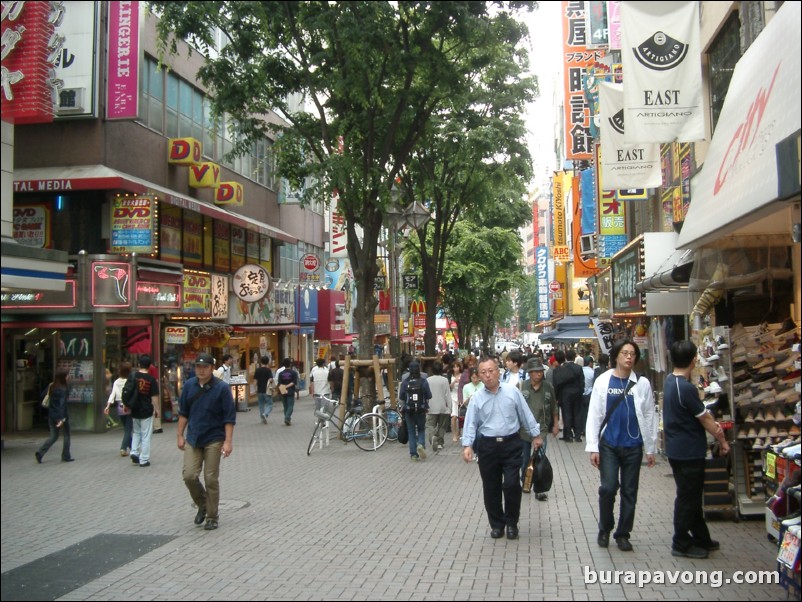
(482, 269)
(372, 75)
(472, 161)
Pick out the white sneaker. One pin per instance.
(421, 452)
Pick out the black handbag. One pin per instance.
(543, 474)
(403, 433)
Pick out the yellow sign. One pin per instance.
(184, 151)
(205, 175)
(560, 231)
(229, 193)
(562, 253)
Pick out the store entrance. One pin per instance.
(31, 358)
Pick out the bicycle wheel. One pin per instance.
(370, 432)
(315, 437)
(393, 419)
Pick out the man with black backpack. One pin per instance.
(144, 405)
(415, 395)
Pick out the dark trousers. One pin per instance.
(500, 469)
(619, 467)
(572, 410)
(690, 527)
(583, 415)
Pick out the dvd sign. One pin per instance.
(176, 335)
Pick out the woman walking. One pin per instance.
(57, 417)
(123, 413)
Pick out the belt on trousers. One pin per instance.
(502, 439)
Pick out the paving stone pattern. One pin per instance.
(344, 524)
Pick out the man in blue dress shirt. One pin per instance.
(495, 415)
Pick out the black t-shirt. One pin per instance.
(336, 379)
(261, 376)
(685, 435)
(147, 387)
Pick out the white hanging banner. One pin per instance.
(660, 52)
(624, 165)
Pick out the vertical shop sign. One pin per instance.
(77, 63)
(576, 57)
(252, 246)
(132, 224)
(338, 240)
(626, 272)
(192, 243)
(122, 93)
(219, 296)
(31, 46)
(612, 220)
(237, 247)
(197, 293)
(32, 225)
(170, 233)
(222, 246)
(542, 272)
(111, 284)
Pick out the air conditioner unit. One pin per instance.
(71, 100)
(587, 245)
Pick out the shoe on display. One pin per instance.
(751, 418)
(713, 388)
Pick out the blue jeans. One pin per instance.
(265, 404)
(613, 461)
(416, 426)
(289, 404)
(140, 441)
(65, 448)
(128, 430)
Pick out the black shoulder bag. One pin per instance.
(617, 402)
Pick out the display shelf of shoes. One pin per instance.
(764, 373)
(716, 384)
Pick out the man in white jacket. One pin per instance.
(616, 442)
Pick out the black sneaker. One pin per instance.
(211, 524)
(134, 459)
(603, 539)
(144, 465)
(200, 516)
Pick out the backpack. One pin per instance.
(130, 394)
(416, 402)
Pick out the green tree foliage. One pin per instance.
(527, 303)
(373, 75)
(482, 269)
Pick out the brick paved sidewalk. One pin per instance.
(340, 524)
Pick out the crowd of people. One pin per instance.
(499, 409)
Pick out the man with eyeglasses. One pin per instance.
(618, 430)
(495, 416)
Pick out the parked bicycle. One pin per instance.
(368, 431)
(392, 416)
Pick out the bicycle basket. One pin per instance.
(324, 408)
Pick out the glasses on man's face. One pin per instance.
(628, 353)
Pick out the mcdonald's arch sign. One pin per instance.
(417, 307)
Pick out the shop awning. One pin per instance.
(263, 327)
(98, 177)
(31, 268)
(565, 336)
(673, 274)
(739, 186)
